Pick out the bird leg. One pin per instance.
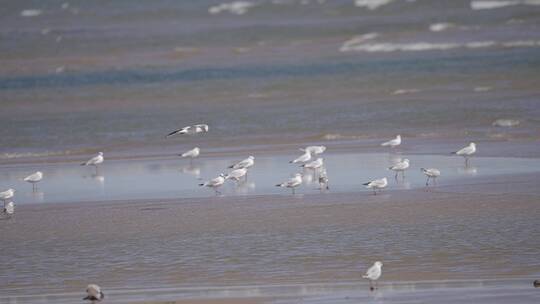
(427, 181)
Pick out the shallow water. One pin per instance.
(177, 178)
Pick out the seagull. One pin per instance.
(193, 153)
(316, 164)
(314, 149)
(194, 129)
(323, 180)
(400, 167)
(94, 161)
(245, 163)
(431, 173)
(466, 152)
(302, 158)
(34, 178)
(236, 174)
(94, 293)
(292, 182)
(215, 183)
(9, 209)
(373, 274)
(377, 184)
(393, 143)
(5, 195)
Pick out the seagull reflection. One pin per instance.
(38, 196)
(191, 170)
(468, 170)
(308, 177)
(244, 187)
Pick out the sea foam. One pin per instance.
(492, 4)
(237, 8)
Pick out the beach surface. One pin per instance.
(471, 236)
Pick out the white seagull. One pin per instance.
(94, 293)
(194, 129)
(373, 274)
(9, 209)
(314, 149)
(94, 161)
(466, 152)
(400, 167)
(393, 143)
(431, 173)
(193, 153)
(34, 178)
(5, 195)
(302, 158)
(236, 174)
(315, 165)
(292, 182)
(245, 163)
(377, 184)
(215, 183)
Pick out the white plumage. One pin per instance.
(5, 195)
(316, 164)
(400, 167)
(431, 173)
(466, 152)
(393, 143)
(193, 153)
(215, 183)
(245, 163)
(236, 174)
(315, 150)
(94, 161)
(292, 182)
(194, 129)
(94, 293)
(302, 158)
(373, 273)
(34, 178)
(377, 184)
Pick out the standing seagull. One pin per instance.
(292, 182)
(9, 209)
(193, 153)
(34, 178)
(236, 174)
(215, 183)
(94, 293)
(245, 163)
(314, 149)
(400, 167)
(302, 158)
(393, 143)
(431, 173)
(377, 184)
(373, 274)
(466, 152)
(94, 161)
(5, 195)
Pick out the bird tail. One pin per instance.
(83, 164)
(231, 166)
(423, 169)
(279, 185)
(291, 162)
(86, 298)
(201, 184)
(303, 165)
(365, 184)
(455, 152)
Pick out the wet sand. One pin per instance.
(180, 249)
